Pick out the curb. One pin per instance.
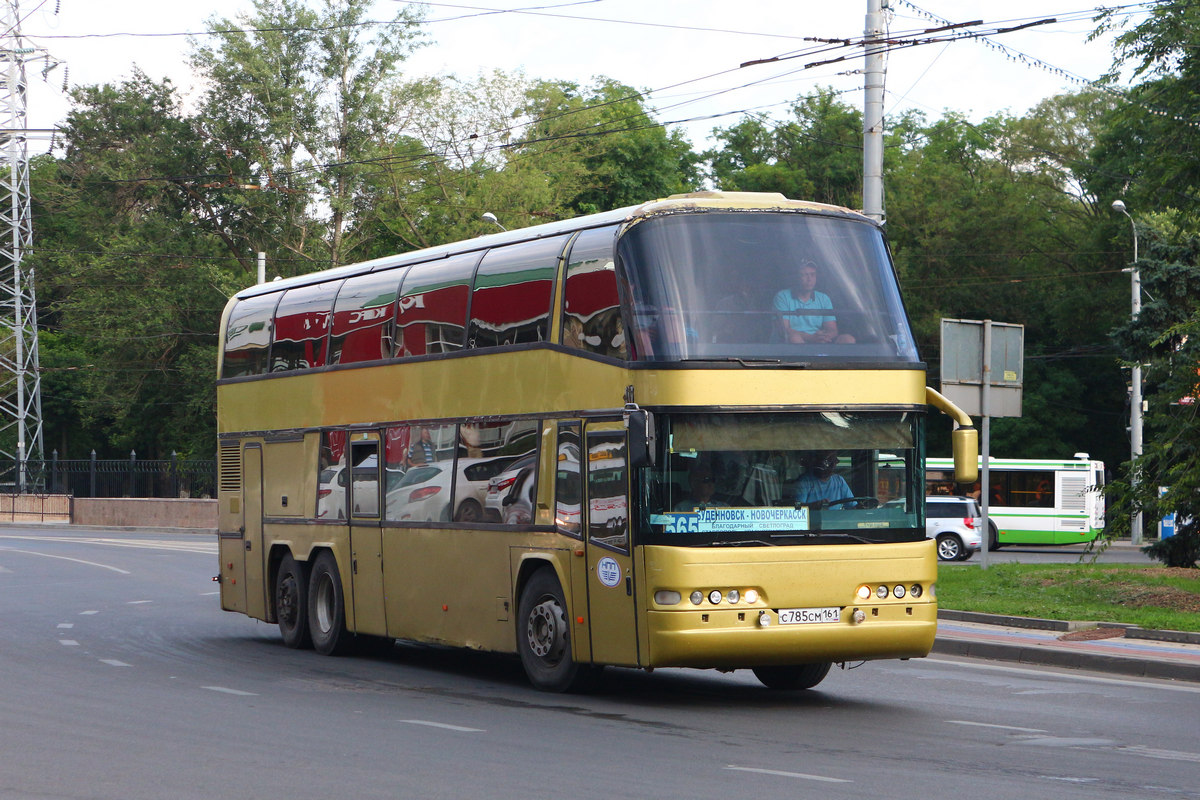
(1069, 658)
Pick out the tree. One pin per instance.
(1165, 337)
(815, 155)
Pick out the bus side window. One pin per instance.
(433, 306)
(363, 318)
(591, 318)
(301, 323)
(568, 481)
(248, 336)
(514, 287)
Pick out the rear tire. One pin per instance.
(291, 603)
(544, 637)
(792, 678)
(994, 536)
(949, 547)
(327, 607)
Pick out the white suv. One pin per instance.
(956, 524)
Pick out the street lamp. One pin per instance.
(1135, 393)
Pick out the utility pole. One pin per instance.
(873, 72)
(20, 375)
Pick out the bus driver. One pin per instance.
(810, 326)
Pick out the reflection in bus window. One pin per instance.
(592, 308)
(364, 478)
(364, 317)
(703, 286)
(332, 479)
(568, 482)
(248, 336)
(423, 492)
(433, 306)
(608, 514)
(513, 289)
(301, 325)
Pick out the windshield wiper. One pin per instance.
(742, 542)
(745, 362)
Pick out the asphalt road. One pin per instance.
(123, 679)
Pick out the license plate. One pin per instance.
(804, 616)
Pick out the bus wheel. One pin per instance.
(804, 676)
(544, 636)
(291, 603)
(327, 607)
(949, 547)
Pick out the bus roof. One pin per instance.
(678, 203)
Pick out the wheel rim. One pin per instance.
(545, 631)
(324, 604)
(948, 549)
(288, 601)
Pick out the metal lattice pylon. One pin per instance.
(20, 375)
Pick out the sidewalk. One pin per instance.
(1119, 649)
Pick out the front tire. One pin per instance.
(327, 607)
(792, 678)
(291, 603)
(544, 636)
(949, 547)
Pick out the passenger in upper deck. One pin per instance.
(810, 326)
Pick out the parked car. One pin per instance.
(424, 491)
(956, 524)
(499, 487)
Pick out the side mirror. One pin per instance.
(965, 443)
(642, 437)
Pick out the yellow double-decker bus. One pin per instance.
(688, 433)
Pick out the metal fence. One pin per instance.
(111, 477)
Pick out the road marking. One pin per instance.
(208, 594)
(66, 624)
(68, 643)
(225, 690)
(87, 613)
(148, 544)
(442, 725)
(112, 662)
(138, 602)
(1075, 676)
(990, 725)
(782, 774)
(1151, 752)
(65, 558)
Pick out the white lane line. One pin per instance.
(1152, 752)
(208, 594)
(990, 725)
(138, 602)
(112, 662)
(225, 690)
(442, 725)
(87, 613)
(65, 558)
(782, 774)
(68, 643)
(66, 624)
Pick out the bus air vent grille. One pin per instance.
(229, 467)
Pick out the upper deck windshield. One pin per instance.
(785, 478)
(785, 286)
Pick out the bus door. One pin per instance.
(366, 535)
(612, 605)
(252, 520)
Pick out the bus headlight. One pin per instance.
(864, 592)
(915, 591)
(898, 590)
(714, 597)
(751, 596)
(734, 596)
(697, 597)
(666, 597)
(881, 592)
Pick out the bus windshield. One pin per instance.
(783, 286)
(785, 478)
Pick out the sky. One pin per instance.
(688, 53)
